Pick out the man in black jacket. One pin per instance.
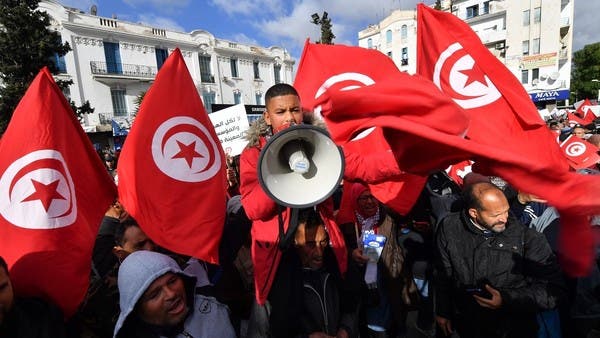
(492, 273)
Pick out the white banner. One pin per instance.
(230, 125)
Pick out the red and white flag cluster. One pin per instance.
(463, 105)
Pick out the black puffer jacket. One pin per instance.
(518, 262)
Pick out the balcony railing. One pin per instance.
(113, 68)
(107, 117)
(207, 78)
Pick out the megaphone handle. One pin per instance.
(286, 237)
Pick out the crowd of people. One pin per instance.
(475, 259)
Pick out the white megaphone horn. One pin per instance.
(300, 166)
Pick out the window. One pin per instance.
(535, 74)
(67, 93)
(524, 76)
(404, 60)
(208, 98)
(537, 15)
(118, 101)
(59, 61)
(258, 97)
(403, 31)
(472, 11)
(535, 46)
(113, 58)
(389, 54)
(526, 18)
(526, 47)
(237, 97)
(234, 69)
(388, 36)
(369, 43)
(486, 7)
(205, 73)
(255, 65)
(277, 73)
(161, 56)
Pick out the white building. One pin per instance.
(396, 37)
(113, 61)
(532, 38)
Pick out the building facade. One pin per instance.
(532, 38)
(396, 37)
(113, 61)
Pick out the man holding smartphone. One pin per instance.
(493, 275)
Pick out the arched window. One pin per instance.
(388, 36)
(370, 43)
(403, 31)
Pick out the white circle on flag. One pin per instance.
(465, 92)
(353, 79)
(183, 149)
(575, 149)
(37, 192)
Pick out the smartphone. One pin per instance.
(481, 292)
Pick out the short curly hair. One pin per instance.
(280, 89)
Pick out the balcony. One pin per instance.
(565, 24)
(207, 78)
(476, 13)
(108, 70)
(563, 54)
(113, 121)
(491, 35)
(107, 117)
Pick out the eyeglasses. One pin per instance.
(313, 244)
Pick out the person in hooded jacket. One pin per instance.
(157, 300)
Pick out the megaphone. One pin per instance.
(300, 166)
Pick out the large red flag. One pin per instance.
(172, 168)
(53, 191)
(502, 115)
(321, 68)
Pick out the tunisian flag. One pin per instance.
(321, 69)
(575, 120)
(172, 168)
(580, 153)
(502, 115)
(584, 112)
(54, 191)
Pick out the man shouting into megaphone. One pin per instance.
(276, 312)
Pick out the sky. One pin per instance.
(286, 23)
